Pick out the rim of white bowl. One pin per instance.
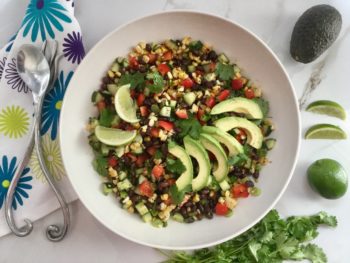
(295, 100)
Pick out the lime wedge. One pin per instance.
(325, 131)
(327, 107)
(124, 104)
(114, 137)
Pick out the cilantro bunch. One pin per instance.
(272, 240)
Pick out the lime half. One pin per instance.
(114, 137)
(327, 107)
(325, 131)
(328, 178)
(124, 104)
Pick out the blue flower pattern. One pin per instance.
(43, 16)
(52, 105)
(7, 171)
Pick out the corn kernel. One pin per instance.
(145, 58)
(162, 206)
(138, 49)
(196, 198)
(142, 45)
(118, 74)
(110, 74)
(169, 75)
(164, 197)
(221, 200)
(112, 172)
(131, 210)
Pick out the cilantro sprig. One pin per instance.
(175, 166)
(135, 80)
(273, 240)
(158, 82)
(224, 71)
(190, 126)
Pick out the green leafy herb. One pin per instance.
(195, 45)
(264, 106)
(190, 126)
(178, 196)
(158, 154)
(158, 82)
(135, 80)
(175, 166)
(100, 165)
(224, 71)
(271, 240)
(106, 117)
(238, 159)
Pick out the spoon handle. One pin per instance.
(53, 232)
(28, 227)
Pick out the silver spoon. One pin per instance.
(35, 72)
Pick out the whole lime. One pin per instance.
(328, 178)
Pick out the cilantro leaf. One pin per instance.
(190, 126)
(264, 106)
(175, 166)
(135, 80)
(106, 117)
(195, 45)
(314, 254)
(100, 165)
(158, 82)
(224, 71)
(178, 196)
(238, 159)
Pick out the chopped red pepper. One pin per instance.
(210, 102)
(168, 55)
(221, 209)
(132, 93)
(212, 67)
(181, 114)
(187, 83)
(112, 161)
(241, 136)
(240, 190)
(171, 181)
(249, 93)
(146, 188)
(223, 95)
(152, 58)
(166, 125)
(236, 84)
(140, 99)
(158, 171)
(141, 159)
(155, 132)
(132, 157)
(101, 105)
(163, 69)
(144, 111)
(133, 62)
(152, 150)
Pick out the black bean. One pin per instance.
(209, 215)
(185, 62)
(200, 68)
(103, 86)
(148, 47)
(178, 43)
(205, 191)
(183, 211)
(142, 69)
(135, 198)
(212, 55)
(105, 80)
(196, 52)
(199, 216)
(189, 220)
(164, 149)
(200, 207)
(204, 57)
(163, 185)
(256, 175)
(249, 183)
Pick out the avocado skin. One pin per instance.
(314, 32)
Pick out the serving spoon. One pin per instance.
(34, 69)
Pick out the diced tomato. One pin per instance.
(166, 125)
(240, 190)
(168, 55)
(171, 181)
(212, 67)
(132, 157)
(182, 114)
(158, 171)
(133, 62)
(198, 72)
(141, 159)
(163, 69)
(210, 102)
(236, 84)
(168, 201)
(146, 188)
(101, 105)
(140, 99)
(187, 83)
(129, 127)
(144, 111)
(155, 132)
(221, 209)
(132, 93)
(112, 161)
(151, 150)
(223, 95)
(241, 136)
(152, 58)
(249, 93)
(200, 114)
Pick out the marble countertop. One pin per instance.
(272, 21)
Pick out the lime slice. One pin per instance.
(327, 107)
(114, 137)
(124, 104)
(328, 178)
(325, 131)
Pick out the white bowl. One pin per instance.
(259, 63)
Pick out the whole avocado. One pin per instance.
(314, 32)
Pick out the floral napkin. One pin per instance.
(44, 19)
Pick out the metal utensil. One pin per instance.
(35, 71)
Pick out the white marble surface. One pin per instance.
(273, 20)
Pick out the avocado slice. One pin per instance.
(230, 142)
(212, 145)
(240, 105)
(186, 177)
(196, 150)
(314, 32)
(254, 134)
